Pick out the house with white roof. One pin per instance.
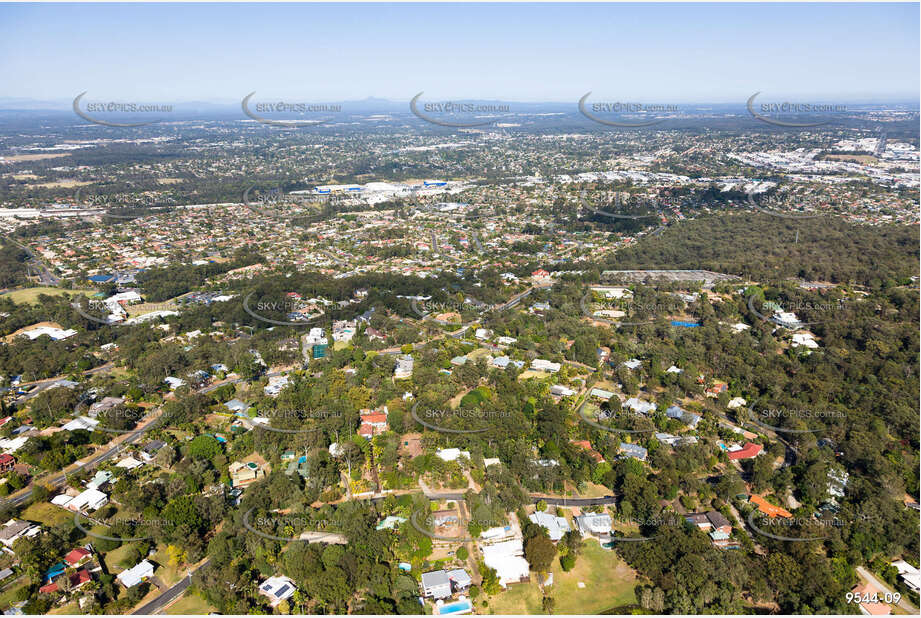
(597, 525)
(909, 574)
(555, 526)
(136, 574)
(640, 406)
(540, 364)
(507, 558)
(277, 589)
(452, 454)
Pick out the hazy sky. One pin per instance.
(525, 52)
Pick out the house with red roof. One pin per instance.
(78, 556)
(746, 452)
(7, 462)
(77, 580)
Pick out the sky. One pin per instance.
(662, 53)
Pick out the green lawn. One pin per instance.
(609, 583)
(48, 514)
(30, 295)
(190, 604)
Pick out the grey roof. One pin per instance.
(435, 579)
(717, 519)
(633, 450)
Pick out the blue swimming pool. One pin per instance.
(457, 607)
(685, 324)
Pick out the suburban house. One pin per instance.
(633, 450)
(89, 500)
(671, 440)
(277, 589)
(870, 607)
(136, 574)
(555, 526)
(77, 557)
(403, 368)
(15, 529)
(7, 462)
(744, 452)
(558, 390)
(716, 525)
(640, 406)
(373, 423)
(76, 580)
(909, 574)
(244, 473)
(688, 418)
(597, 525)
(443, 583)
(436, 585)
(767, 508)
(600, 393)
(540, 364)
(507, 558)
(235, 405)
(150, 449)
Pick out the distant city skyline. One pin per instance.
(553, 53)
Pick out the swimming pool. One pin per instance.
(457, 607)
(685, 324)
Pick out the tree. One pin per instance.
(567, 562)
(539, 551)
(490, 584)
(547, 604)
(462, 553)
(204, 447)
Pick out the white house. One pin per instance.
(540, 364)
(81, 422)
(90, 500)
(136, 574)
(403, 368)
(555, 526)
(507, 558)
(909, 574)
(638, 405)
(452, 454)
(561, 391)
(277, 589)
(597, 525)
